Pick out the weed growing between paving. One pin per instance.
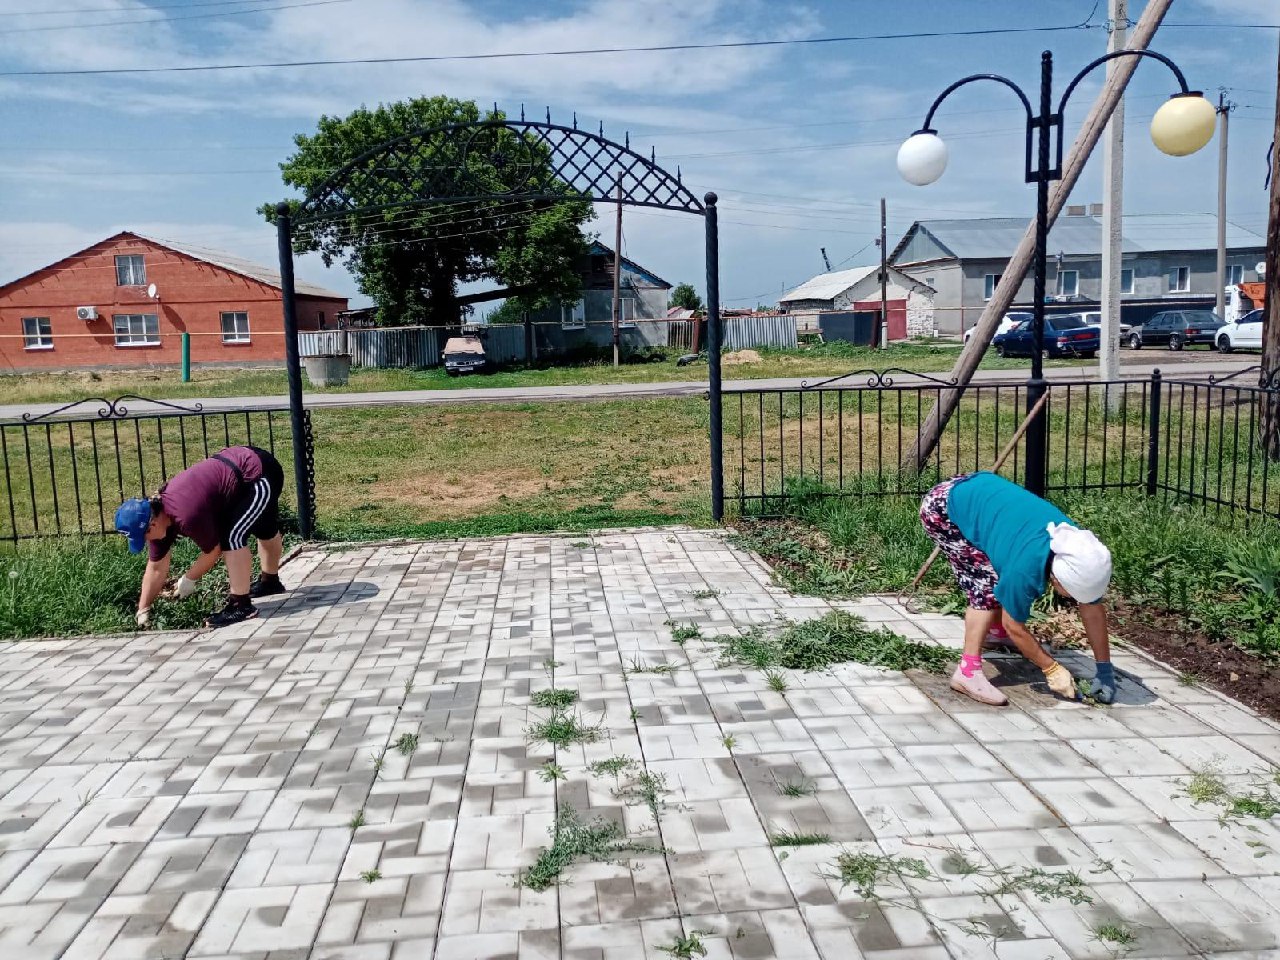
(786, 838)
(647, 788)
(688, 945)
(369, 876)
(357, 821)
(611, 767)
(1115, 936)
(796, 788)
(562, 729)
(551, 772)
(661, 669)
(574, 839)
(554, 699)
(682, 633)
(867, 870)
(407, 744)
(776, 681)
(705, 594)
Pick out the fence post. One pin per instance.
(1153, 438)
(186, 357)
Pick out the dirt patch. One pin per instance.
(439, 497)
(740, 357)
(1219, 664)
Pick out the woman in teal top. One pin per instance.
(1005, 545)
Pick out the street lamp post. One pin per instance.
(1183, 125)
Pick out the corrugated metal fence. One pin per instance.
(392, 347)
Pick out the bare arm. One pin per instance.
(1094, 618)
(1026, 643)
(153, 581)
(204, 563)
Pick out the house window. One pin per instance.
(136, 329)
(626, 312)
(320, 319)
(1068, 283)
(989, 284)
(235, 327)
(573, 316)
(1180, 280)
(1235, 274)
(1126, 281)
(37, 334)
(131, 271)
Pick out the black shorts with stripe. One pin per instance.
(256, 511)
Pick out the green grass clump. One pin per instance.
(866, 871)
(574, 839)
(687, 946)
(647, 788)
(562, 729)
(611, 767)
(406, 744)
(551, 772)
(554, 699)
(1260, 803)
(1115, 935)
(661, 669)
(786, 838)
(796, 788)
(682, 633)
(369, 876)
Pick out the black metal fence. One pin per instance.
(1196, 441)
(65, 471)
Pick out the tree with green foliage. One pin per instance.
(685, 296)
(410, 254)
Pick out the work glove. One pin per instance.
(184, 588)
(143, 618)
(1061, 682)
(1103, 685)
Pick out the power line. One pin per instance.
(150, 6)
(194, 16)
(525, 54)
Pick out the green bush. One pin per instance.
(69, 586)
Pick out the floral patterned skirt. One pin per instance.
(973, 569)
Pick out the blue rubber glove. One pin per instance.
(1103, 686)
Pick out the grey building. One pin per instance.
(1168, 261)
(642, 295)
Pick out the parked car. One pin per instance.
(463, 355)
(1007, 323)
(1066, 335)
(1177, 329)
(1094, 319)
(1244, 334)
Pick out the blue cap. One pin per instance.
(132, 519)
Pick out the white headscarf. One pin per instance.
(1081, 562)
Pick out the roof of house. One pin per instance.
(994, 238)
(217, 258)
(828, 286)
(597, 247)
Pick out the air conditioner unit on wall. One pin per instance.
(86, 313)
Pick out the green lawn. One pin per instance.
(814, 361)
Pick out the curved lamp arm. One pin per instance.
(1182, 80)
(928, 119)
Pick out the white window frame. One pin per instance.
(1062, 285)
(237, 335)
(1177, 283)
(573, 316)
(42, 338)
(150, 327)
(1235, 274)
(134, 272)
(1126, 287)
(989, 283)
(627, 312)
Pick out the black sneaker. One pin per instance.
(231, 613)
(266, 586)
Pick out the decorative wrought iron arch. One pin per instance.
(523, 160)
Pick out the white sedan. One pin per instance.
(1094, 318)
(1007, 323)
(1244, 334)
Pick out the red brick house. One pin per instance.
(127, 300)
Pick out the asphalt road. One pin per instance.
(1190, 365)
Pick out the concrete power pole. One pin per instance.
(1271, 317)
(1113, 210)
(1225, 107)
(884, 281)
(617, 274)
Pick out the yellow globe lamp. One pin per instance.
(1184, 124)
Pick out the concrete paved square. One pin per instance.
(351, 777)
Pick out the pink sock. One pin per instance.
(970, 664)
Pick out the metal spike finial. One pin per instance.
(653, 156)
(495, 108)
(522, 113)
(575, 119)
(548, 114)
(677, 173)
(601, 134)
(627, 136)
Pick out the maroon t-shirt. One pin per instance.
(200, 500)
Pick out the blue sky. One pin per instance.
(799, 141)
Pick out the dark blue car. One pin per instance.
(1064, 336)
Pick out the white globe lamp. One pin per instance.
(922, 158)
(1184, 124)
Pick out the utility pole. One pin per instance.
(1113, 212)
(1225, 107)
(1271, 315)
(825, 259)
(884, 282)
(617, 273)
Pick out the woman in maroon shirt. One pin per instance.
(218, 503)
